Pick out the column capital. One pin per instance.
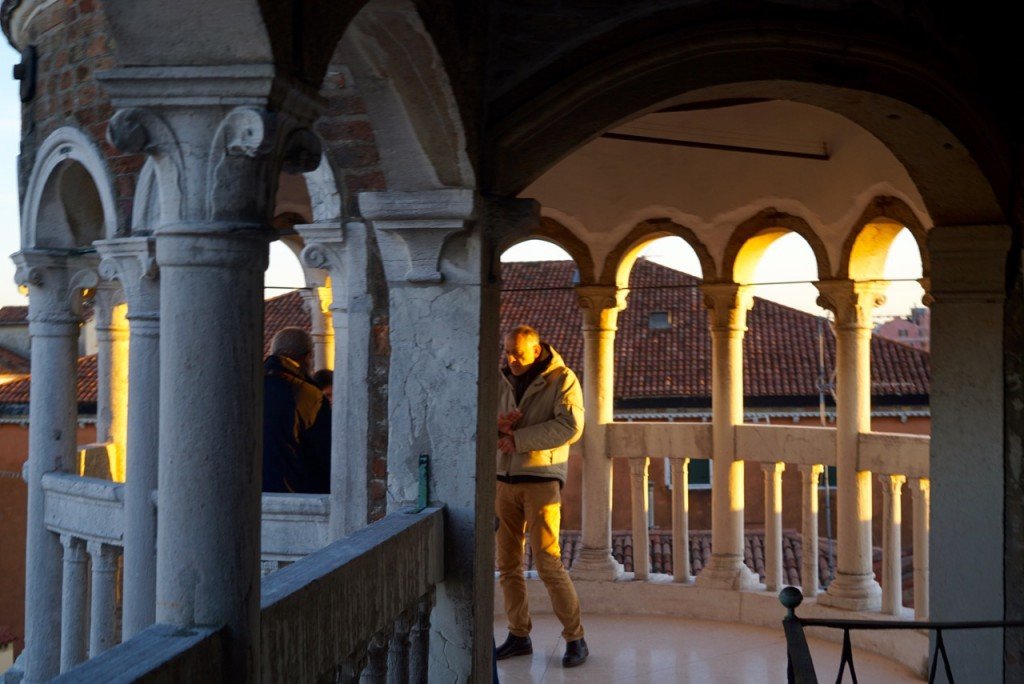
(852, 302)
(219, 136)
(413, 228)
(601, 305)
(814, 471)
(892, 484)
(56, 282)
(920, 486)
(727, 304)
(132, 261)
(107, 296)
(773, 468)
(325, 246)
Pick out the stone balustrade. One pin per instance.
(896, 459)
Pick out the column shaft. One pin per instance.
(854, 587)
(73, 603)
(728, 304)
(892, 556)
(102, 614)
(600, 305)
(809, 581)
(920, 492)
(638, 468)
(680, 519)
(210, 441)
(774, 580)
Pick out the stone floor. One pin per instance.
(638, 650)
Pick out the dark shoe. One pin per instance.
(514, 646)
(576, 653)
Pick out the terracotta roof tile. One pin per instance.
(12, 362)
(780, 348)
(13, 315)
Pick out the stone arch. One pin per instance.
(551, 230)
(752, 237)
(953, 154)
(867, 244)
(407, 92)
(69, 200)
(619, 263)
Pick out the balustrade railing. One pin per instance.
(897, 459)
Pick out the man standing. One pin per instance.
(540, 413)
(296, 419)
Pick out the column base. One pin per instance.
(596, 565)
(853, 592)
(727, 572)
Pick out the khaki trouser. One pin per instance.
(534, 507)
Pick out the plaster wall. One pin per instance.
(608, 186)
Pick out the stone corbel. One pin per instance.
(325, 246)
(413, 228)
(727, 305)
(132, 261)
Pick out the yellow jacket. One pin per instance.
(552, 408)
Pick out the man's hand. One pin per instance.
(507, 444)
(508, 421)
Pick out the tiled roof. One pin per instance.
(285, 311)
(12, 363)
(13, 315)
(780, 348)
(17, 392)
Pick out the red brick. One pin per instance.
(378, 490)
(337, 130)
(65, 80)
(86, 6)
(379, 467)
(97, 46)
(345, 105)
(367, 182)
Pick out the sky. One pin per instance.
(788, 259)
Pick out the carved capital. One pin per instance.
(413, 228)
(638, 467)
(851, 302)
(601, 305)
(811, 473)
(57, 284)
(773, 469)
(727, 305)
(325, 247)
(892, 485)
(132, 262)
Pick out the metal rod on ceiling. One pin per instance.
(629, 137)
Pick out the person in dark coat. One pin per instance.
(296, 419)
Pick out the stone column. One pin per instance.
(73, 603)
(133, 262)
(398, 650)
(55, 282)
(968, 469)
(319, 326)
(600, 305)
(920, 492)
(892, 537)
(638, 468)
(680, 518)
(219, 137)
(727, 304)
(340, 251)
(774, 579)
(111, 375)
(102, 614)
(809, 581)
(852, 303)
(442, 400)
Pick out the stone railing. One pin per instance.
(87, 516)
(357, 609)
(896, 459)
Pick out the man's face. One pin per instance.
(521, 352)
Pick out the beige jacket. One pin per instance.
(552, 408)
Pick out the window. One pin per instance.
(659, 320)
(902, 333)
(699, 472)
